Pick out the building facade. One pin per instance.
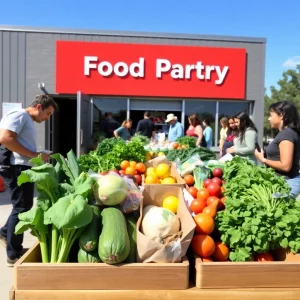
(90, 73)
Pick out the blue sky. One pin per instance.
(278, 21)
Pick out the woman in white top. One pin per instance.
(223, 132)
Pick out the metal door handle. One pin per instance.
(81, 136)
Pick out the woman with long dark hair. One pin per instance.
(195, 130)
(230, 135)
(283, 153)
(246, 137)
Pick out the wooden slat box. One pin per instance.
(31, 274)
(237, 275)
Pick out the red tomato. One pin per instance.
(211, 199)
(203, 194)
(197, 206)
(122, 172)
(214, 189)
(115, 171)
(140, 167)
(193, 191)
(206, 182)
(217, 180)
(138, 179)
(218, 172)
(103, 173)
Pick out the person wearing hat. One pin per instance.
(176, 128)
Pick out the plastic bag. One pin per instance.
(189, 165)
(200, 174)
(133, 199)
(134, 193)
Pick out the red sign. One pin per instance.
(150, 70)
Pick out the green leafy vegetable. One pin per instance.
(260, 214)
(187, 140)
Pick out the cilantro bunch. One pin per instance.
(260, 214)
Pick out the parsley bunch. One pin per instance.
(260, 214)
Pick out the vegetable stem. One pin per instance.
(54, 249)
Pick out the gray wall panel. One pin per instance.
(6, 67)
(21, 76)
(13, 67)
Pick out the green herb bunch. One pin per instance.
(260, 214)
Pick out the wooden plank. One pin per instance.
(11, 295)
(189, 294)
(74, 276)
(247, 275)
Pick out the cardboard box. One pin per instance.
(239, 275)
(152, 251)
(174, 173)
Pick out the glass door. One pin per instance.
(84, 123)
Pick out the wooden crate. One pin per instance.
(190, 294)
(31, 274)
(236, 275)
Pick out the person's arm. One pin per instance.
(250, 139)
(222, 141)
(8, 138)
(199, 132)
(286, 150)
(117, 131)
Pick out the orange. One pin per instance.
(124, 164)
(132, 164)
(221, 252)
(203, 245)
(150, 171)
(140, 167)
(130, 171)
(204, 223)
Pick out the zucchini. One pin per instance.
(114, 245)
(131, 228)
(89, 239)
(88, 257)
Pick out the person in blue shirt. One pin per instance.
(176, 129)
(124, 131)
(208, 133)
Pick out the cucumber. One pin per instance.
(88, 257)
(114, 245)
(131, 228)
(89, 239)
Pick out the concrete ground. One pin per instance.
(6, 274)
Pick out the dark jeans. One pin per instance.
(22, 200)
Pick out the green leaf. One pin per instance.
(66, 188)
(278, 213)
(287, 233)
(254, 229)
(166, 214)
(236, 235)
(43, 200)
(281, 224)
(284, 243)
(37, 161)
(73, 164)
(70, 212)
(61, 160)
(32, 219)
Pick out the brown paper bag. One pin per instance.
(151, 251)
(174, 173)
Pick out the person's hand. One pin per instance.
(220, 153)
(45, 157)
(230, 150)
(259, 155)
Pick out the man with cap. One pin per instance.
(176, 129)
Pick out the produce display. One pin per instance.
(111, 152)
(243, 214)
